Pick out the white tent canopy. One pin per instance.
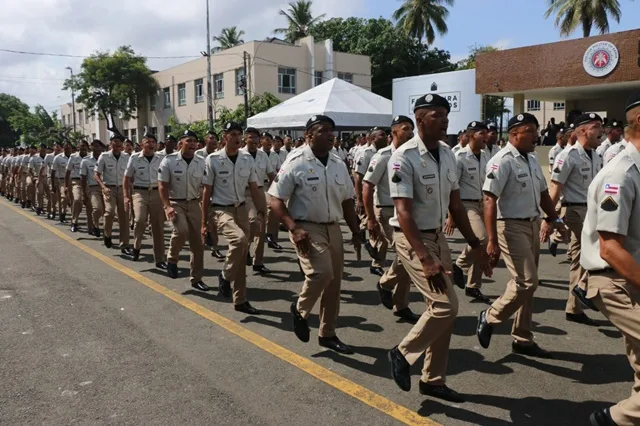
(348, 105)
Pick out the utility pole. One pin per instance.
(501, 116)
(209, 81)
(246, 89)
(73, 100)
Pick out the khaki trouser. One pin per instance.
(475, 213)
(52, 198)
(115, 202)
(383, 214)
(395, 278)
(213, 228)
(97, 204)
(31, 190)
(256, 229)
(147, 206)
(77, 200)
(556, 237)
(574, 218)
(432, 333)
(619, 302)
(233, 225)
(322, 270)
(186, 226)
(273, 221)
(520, 244)
(63, 196)
(23, 186)
(42, 190)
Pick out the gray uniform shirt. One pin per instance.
(228, 179)
(363, 158)
(613, 206)
(614, 150)
(185, 180)
(315, 192)
(73, 165)
(48, 162)
(471, 173)
(112, 169)
(35, 164)
(415, 174)
(575, 170)
(88, 168)
(59, 165)
(493, 151)
(604, 146)
(378, 176)
(553, 154)
(262, 166)
(143, 171)
(517, 182)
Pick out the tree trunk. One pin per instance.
(111, 123)
(586, 27)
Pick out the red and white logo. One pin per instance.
(600, 59)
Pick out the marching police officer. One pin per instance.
(514, 192)
(91, 189)
(267, 143)
(180, 178)
(229, 172)
(141, 175)
(617, 148)
(52, 195)
(36, 164)
(610, 240)
(58, 182)
(319, 192)
(492, 140)
(394, 286)
(573, 171)
(613, 130)
(211, 146)
(424, 185)
(471, 165)
(109, 174)
(73, 187)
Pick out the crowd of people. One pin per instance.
(400, 187)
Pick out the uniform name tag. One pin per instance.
(586, 170)
(313, 178)
(178, 172)
(224, 172)
(471, 169)
(523, 175)
(429, 176)
(141, 167)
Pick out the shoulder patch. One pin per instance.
(371, 169)
(396, 178)
(609, 205)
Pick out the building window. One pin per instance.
(63, 120)
(533, 105)
(69, 119)
(167, 131)
(241, 82)
(287, 80)
(154, 131)
(198, 89)
(182, 94)
(167, 97)
(86, 117)
(558, 106)
(80, 116)
(318, 80)
(134, 135)
(218, 86)
(348, 77)
(93, 136)
(152, 102)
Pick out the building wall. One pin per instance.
(265, 59)
(546, 110)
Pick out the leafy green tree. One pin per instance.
(393, 53)
(584, 14)
(300, 20)
(228, 38)
(470, 62)
(115, 84)
(422, 19)
(10, 107)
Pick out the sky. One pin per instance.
(177, 28)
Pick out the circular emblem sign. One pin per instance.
(600, 59)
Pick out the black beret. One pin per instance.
(376, 129)
(251, 130)
(491, 126)
(633, 101)
(477, 126)
(278, 138)
(615, 124)
(521, 119)
(56, 143)
(212, 133)
(266, 135)
(189, 134)
(571, 127)
(116, 136)
(401, 119)
(317, 119)
(431, 100)
(150, 135)
(587, 118)
(171, 138)
(97, 141)
(232, 126)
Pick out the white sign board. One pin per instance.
(458, 87)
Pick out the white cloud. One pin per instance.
(151, 27)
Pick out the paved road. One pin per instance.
(83, 342)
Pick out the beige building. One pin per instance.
(544, 111)
(274, 66)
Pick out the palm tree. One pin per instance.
(228, 38)
(423, 18)
(300, 20)
(571, 14)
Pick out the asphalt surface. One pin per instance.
(83, 343)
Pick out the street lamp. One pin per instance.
(73, 100)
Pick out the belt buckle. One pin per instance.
(236, 205)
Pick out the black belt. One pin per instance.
(473, 201)
(317, 223)
(184, 199)
(525, 219)
(384, 207)
(574, 204)
(228, 205)
(601, 271)
(422, 231)
(146, 188)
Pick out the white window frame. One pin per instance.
(290, 73)
(218, 89)
(318, 78)
(166, 96)
(198, 89)
(533, 105)
(559, 106)
(239, 74)
(346, 76)
(182, 94)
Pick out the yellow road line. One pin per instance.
(342, 384)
